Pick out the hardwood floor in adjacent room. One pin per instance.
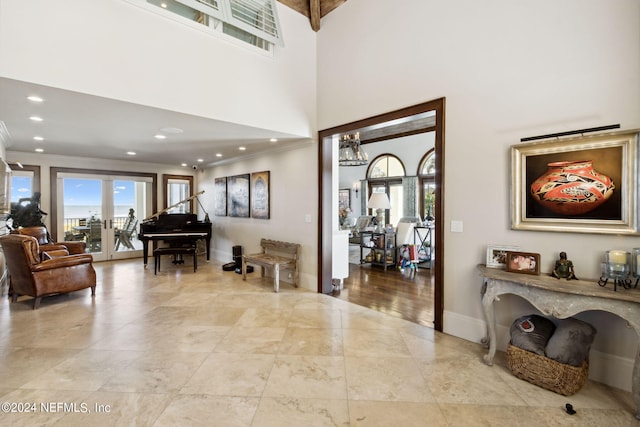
(404, 294)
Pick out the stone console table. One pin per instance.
(560, 298)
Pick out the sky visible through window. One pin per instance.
(88, 192)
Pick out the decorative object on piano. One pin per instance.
(617, 267)
(220, 201)
(583, 184)
(523, 262)
(564, 268)
(260, 195)
(497, 255)
(238, 196)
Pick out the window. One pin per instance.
(427, 174)
(25, 181)
(178, 188)
(251, 21)
(385, 175)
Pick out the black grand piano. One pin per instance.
(176, 229)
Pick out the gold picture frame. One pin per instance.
(613, 154)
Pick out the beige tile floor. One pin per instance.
(206, 348)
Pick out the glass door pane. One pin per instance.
(82, 213)
(129, 208)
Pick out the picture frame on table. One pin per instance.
(544, 191)
(497, 255)
(523, 262)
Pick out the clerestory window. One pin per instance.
(251, 21)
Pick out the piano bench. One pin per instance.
(157, 254)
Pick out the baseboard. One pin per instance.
(605, 368)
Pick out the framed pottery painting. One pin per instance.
(260, 195)
(586, 184)
(220, 206)
(523, 262)
(238, 195)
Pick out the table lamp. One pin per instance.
(379, 202)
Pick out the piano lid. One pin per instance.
(155, 216)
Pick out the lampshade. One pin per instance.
(379, 201)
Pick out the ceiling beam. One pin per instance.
(314, 10)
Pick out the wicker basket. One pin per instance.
(546, 373)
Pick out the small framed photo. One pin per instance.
(497, 255)
(523, 262)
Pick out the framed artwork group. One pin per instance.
(243, 196)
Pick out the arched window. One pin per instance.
(385, 175)
(427, 176)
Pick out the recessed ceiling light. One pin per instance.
(36, 118)
(38, 138)
(35, 98)
(274, 140)
(183, 165)
(39, 150)
(242, 148)
(131, 153)
(163, 4)
(200, 160)
(218, 155)
(160, 136)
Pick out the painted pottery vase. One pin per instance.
(572, 188)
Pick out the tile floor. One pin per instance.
(206, 348)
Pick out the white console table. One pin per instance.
(560, 298)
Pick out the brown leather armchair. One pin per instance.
(31, 276)
(46, 245)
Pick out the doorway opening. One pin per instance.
(421, 118)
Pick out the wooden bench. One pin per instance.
(157, 254)
(277, 256)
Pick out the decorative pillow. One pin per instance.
(571, 342)
(531, 333)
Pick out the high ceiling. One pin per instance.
(80, 125)
(313, 9)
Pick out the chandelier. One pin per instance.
(351, 153)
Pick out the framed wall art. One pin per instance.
(344, 198)
(260, 195)
(523, 262)
(220, 202)
(238, 196)
(586, 184)
(497, 255)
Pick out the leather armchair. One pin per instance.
(30, 275)
(46, 245)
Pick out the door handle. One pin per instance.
(110, 223)
(105, 224)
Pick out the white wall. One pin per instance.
(508, 70)
(116, 49)
(293, 197)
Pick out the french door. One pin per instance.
(104, 211)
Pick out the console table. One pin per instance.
(559, 298)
